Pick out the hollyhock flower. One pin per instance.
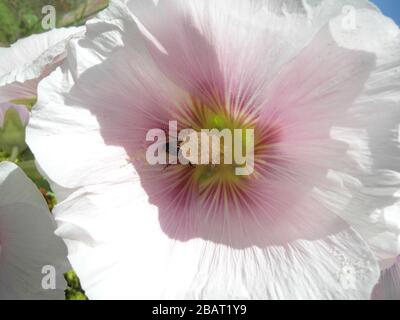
(29, 250)
(28, 60)
(322, 96)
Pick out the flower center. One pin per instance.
(196, 196)
(221, 146)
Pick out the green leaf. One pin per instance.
(74, 290)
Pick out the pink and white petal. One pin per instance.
(111, 29)
(61, 192)
(143, 262)
(316, 88)
(30, 59)
(375, 150)
(304, 100)
(75, 133)
(92, 118)
(26, 58)
(17, 90)
(27, 240)
(388, 287)
(181, 51)
(367, 211)
(231, 42)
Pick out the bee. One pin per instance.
(174, 152)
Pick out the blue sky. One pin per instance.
(390, 8)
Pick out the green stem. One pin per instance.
(14, 154)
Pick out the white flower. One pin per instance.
(323, 101)
(29, 250)
(28, 60)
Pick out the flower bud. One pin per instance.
(13, 120)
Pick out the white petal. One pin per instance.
(75, 134)
(374, 177)
(27, 240)
(143, 262)
(72, 130)
(252, 39)
(29, 59)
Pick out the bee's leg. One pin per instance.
(166, 166)
(191, 165)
